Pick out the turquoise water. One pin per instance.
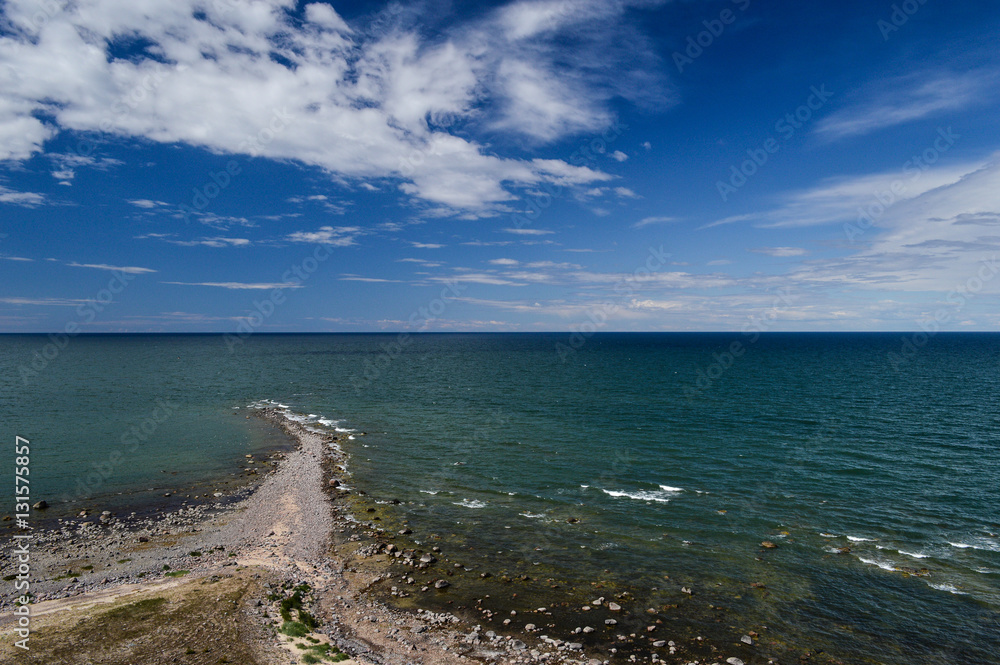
(672, 460)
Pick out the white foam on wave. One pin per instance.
(533, 516)
(431, 492)
(639, 496)
(950, 588)
(466, 503)
(915, 555)
(884, 565)
(859, 539)
(828, 535)
(668, 488)
(965, 546)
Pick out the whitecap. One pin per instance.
(915, 555)
(466, 503)
(874, 562)
(950, 588)
(964, 546)
(640, 496)
(533, 516)
(431, 492)
(828, 535)
(858, 539)
(668, 488)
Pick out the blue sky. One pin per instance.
(224, 165)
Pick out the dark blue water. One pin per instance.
(629, 458)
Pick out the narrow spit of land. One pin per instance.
(280, 576)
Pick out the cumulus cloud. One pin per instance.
(254, 78)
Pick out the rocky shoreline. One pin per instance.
(295, 533)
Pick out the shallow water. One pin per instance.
(639, 455)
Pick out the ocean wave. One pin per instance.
(533, 516)
(884, 565)
(466, 503)
(431, 492)
(950, 588)
(668, 488)
(640, 495)
(915, 555)
(828, 535)
(965, 546)
(859, 539)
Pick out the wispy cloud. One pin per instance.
(339, 236)
(213, 242)
(128, 270)
(251, 286)
(377, 280)
(24, 199)
(906, 99)
(649, 221)
(779, 252)
(528, 232)
(426, 245)
(45, 302)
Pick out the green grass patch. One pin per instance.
(124, 560)
(195, 553)
(86, 567)
(293, 629)
(8, 578)
(176, 573)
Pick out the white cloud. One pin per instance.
(504, 262)
(836, 200)
(619, 156)
(242, 285)
(626, 193)
(779, 251)
(46, 302)
(17, 258)
(649, 221)
(147, 204)
(426, 245)
(128, 270)
(340, 236)
(528, 232)
(906, 99)
(25, 199)
(360, 105)
(213, 242)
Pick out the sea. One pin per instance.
(836, 494)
